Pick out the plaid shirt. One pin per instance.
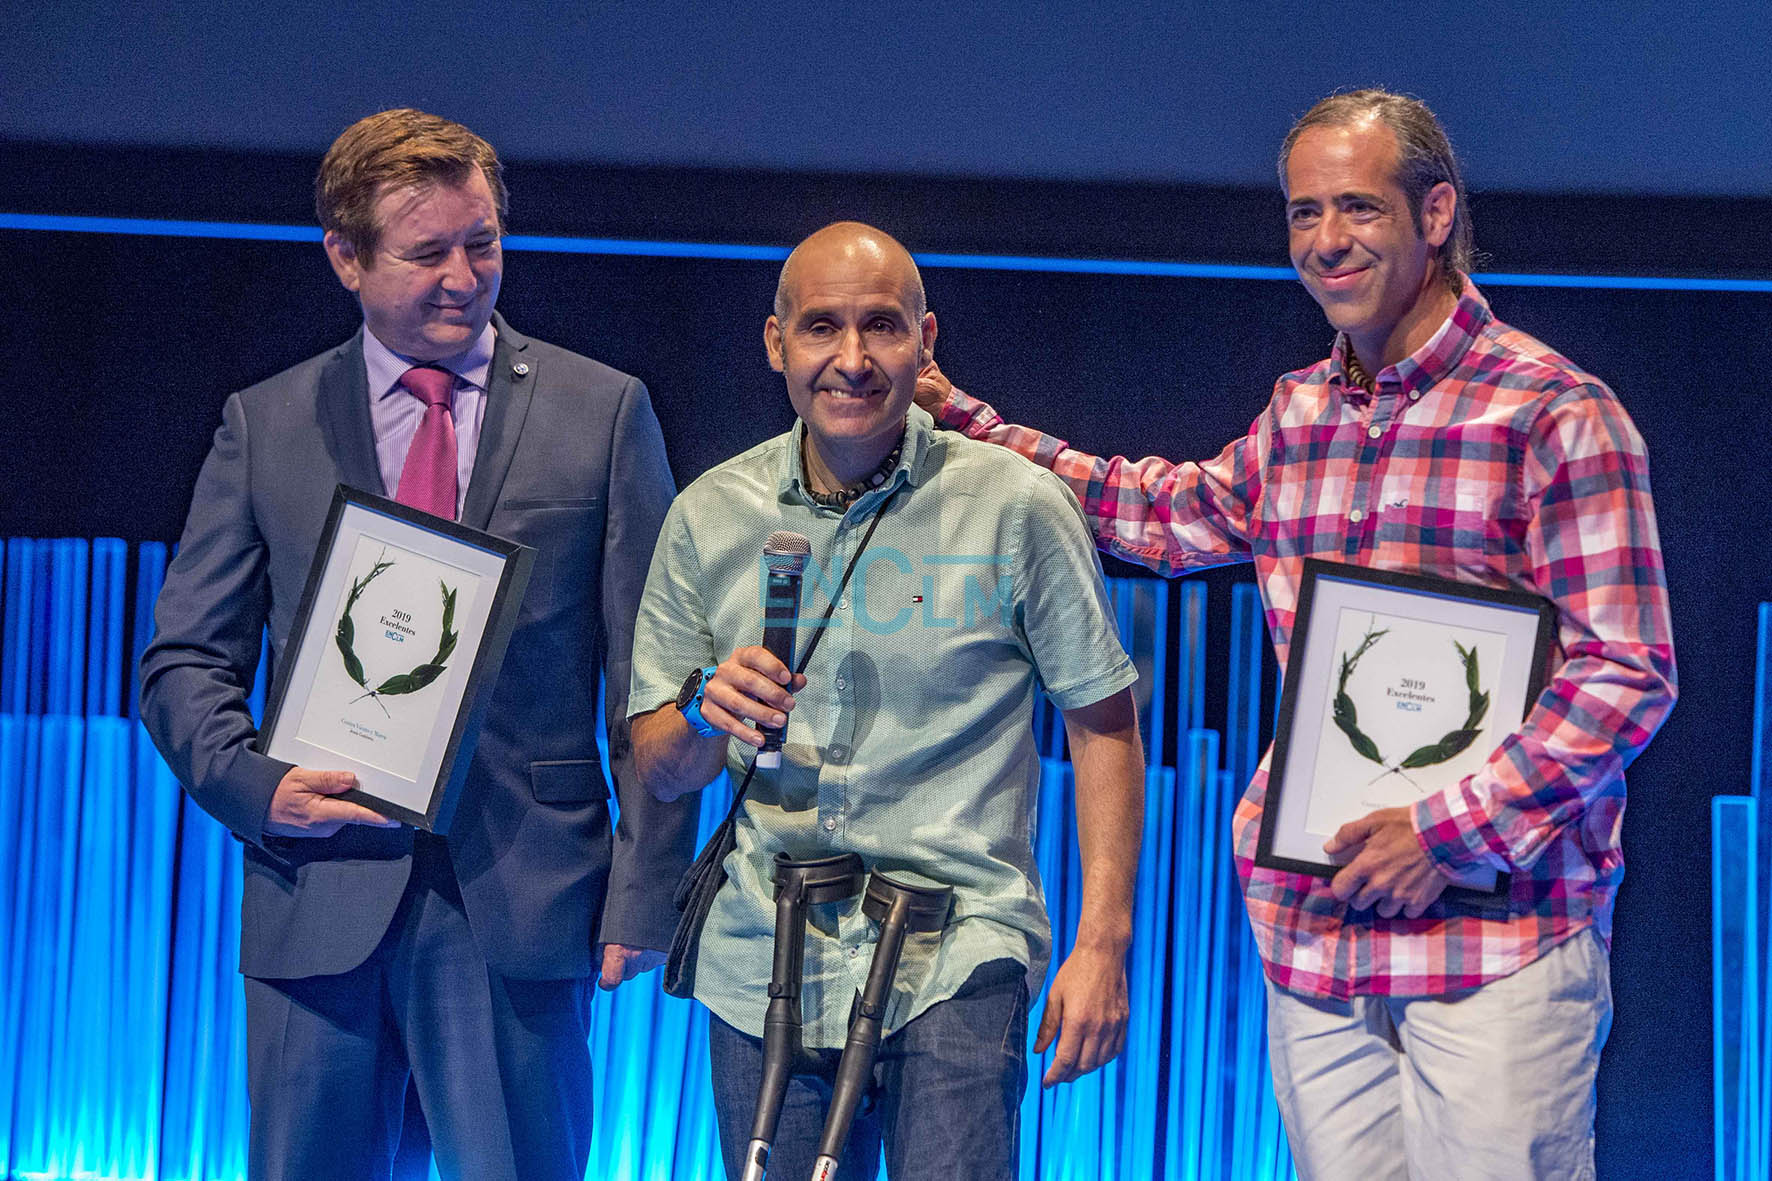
(1484, 457)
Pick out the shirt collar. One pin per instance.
(919, 432)
(472, 365)
(1432, 361)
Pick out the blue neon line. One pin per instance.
(1719, 810)
(1627, 282)
(646, 249)
(1104, 266)
(1759, 785)
(639, 247)
(158, 227)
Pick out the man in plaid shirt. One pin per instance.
(1412, 1035)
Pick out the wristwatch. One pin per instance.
(689, 701)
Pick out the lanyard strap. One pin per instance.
(823, 626)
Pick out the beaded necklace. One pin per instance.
(1356, 372)
(842, 498)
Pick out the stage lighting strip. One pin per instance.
(246, 231)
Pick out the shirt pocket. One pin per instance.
(1450, 526)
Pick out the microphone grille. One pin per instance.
(786, 551)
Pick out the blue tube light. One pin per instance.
(155, 227)
(746, 252)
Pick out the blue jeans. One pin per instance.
(945, 1101)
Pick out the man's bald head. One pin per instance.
(855, 242)
(850, 332)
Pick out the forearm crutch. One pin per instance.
(798, 884)
(900, 909)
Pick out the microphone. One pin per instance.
(785, 555)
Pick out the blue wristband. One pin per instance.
(692, 708)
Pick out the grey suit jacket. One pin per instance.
(570, 462)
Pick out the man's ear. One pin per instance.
(772, 344)
(1438, 210)
(928, 353)
(343, 257)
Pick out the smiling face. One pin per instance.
(1356, 245)
(429, 289)
(849, 341)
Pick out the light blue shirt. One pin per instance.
(912, 742)
(394, 413)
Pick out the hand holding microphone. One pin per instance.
(784, 554)
(751, 692)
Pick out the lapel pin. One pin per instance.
(521, 369)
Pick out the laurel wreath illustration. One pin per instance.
(1347, 718)
(399, 683)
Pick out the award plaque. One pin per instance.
(1398, 687)
(393, 655)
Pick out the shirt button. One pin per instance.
(838, 753)
(830, 824)
(842, 684)
(1414, 395)
(854, 951)
(1357, 516)
(842, 604)
(1374, 431)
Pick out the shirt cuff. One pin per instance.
(1096, 688)
(1453, 833)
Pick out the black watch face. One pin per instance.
(690, 687)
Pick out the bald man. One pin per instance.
(908, 736)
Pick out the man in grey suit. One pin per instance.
(373, 953)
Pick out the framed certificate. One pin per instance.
(395, 649)
(1398, 686)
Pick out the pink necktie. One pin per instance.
(428, 480)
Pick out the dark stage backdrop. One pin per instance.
(118, 351)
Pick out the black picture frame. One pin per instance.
(299, 724)
(1310, 709)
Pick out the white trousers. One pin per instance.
(1495, 1082)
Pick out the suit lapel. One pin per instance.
(344, 417)
(507, 406)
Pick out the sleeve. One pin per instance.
(672, 634)
(1064, 614)
(1172, 517)
(1593, 551)
(208, 624)
(653, 841)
